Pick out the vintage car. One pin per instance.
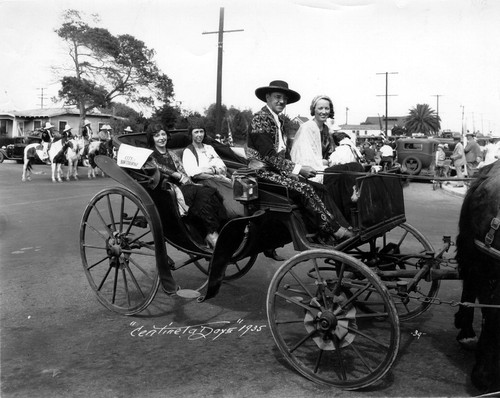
(15, 150)
(416, 155)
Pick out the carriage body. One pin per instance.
(347, 298)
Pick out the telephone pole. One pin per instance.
(346, 113)
(42, 97)
(218, 102)
(386, 95)
(437, 104)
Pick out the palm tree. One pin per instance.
(422, 119)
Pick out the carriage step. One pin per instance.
(188, 293)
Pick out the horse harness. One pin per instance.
(490, 236)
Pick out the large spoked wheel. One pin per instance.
(401, 249)
(315, 319)
(118, 251)
(234, 270)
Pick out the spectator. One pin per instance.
(473, 154)
(458, 158)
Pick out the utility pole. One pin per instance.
(218, 102)
(437, 105)
(386, 95)
(346, 112)
(42, 97)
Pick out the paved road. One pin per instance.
(58, 341)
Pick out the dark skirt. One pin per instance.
(233, 208)
(205, 206)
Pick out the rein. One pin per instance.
(393, 175)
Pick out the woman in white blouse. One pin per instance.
(312, 143)
(204, 166)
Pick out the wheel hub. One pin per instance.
(327, 324)
(327, 321)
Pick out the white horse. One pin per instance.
(96, 148)
(57, 154)
(32, 152)
(73, 155)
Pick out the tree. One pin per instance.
(422, 119)
(106, 67)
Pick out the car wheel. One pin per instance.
(412, 165)
(2, 157)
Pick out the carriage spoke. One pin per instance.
(111, 215)
(131, 260)
(303, 340)
(110, 232)
(132, 221)
(122, 210)
(361, 358)
(115, 284)
(318, 361)
(97, 263)
(104, 279)
(134, 280)
(299, 281)
(126, 286)
(338, 350)
(296, 302)
(126, 251)
(321, 284)
(373, 340)
(105, 238)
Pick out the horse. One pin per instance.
(98, 147)
(73, 155)
(31, 153)
(478, 257)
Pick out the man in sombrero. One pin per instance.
(268, 153)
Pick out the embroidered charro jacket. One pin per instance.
(263, 141)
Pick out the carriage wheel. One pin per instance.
(234, 270)
(118, 251)
(402, 248)
(313, 313)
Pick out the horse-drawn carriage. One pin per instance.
(334, 311)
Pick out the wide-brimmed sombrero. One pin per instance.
(280, 86)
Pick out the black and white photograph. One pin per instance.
(249, 198)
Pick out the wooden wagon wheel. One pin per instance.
(321, 330)
(402, 248)
(117, 248)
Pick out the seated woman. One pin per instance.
(200, 203)
(312, 147)
(204, 166)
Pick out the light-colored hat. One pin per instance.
(67, 128)
(48, 126)
(106, 127)
(86, 123)
(128, 129)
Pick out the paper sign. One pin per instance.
(132, 157)
(55, 148)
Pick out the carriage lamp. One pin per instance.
(245, 186)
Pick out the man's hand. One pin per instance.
(307, 172)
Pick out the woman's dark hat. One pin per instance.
(280, 86)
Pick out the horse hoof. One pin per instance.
(468, 343)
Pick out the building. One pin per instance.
(373, 126)
(21, 123)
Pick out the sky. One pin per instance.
(444, 53)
